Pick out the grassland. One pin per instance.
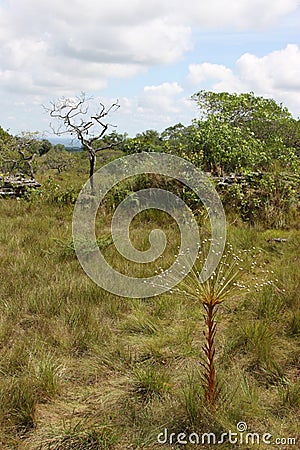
(83, 369)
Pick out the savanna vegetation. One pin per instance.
(81, 368)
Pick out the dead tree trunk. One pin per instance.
(89, 129)
(93, 159)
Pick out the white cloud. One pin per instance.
(154, 107)
(280, 70)
(238, 14)
(199, 73)
(162, 98)
(50, 44)
(66, 48)
(274, 75)
(54, 48)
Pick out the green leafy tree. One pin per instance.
(18, 153)
(44, 147)
(185, 141)
(59, 147)
(4, 135)
(265, 131)
(147, 141)
(240, 109)
(214, 146)
(227, 149)
(58, 158)
(114, 139)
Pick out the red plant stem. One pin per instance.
(209, 376)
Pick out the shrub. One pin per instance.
(52, 193)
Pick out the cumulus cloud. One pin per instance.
(279, 70)
(51, 43)
(155, 107)
(276, 75)
(69, 47)
(162, 98)
(54, 48)
(237, 14)
(199, 73)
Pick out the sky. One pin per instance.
(151, 56)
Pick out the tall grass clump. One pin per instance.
(18, 403)
(79, 435)
(27, 379)
(148, 381)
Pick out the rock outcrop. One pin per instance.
(16, 186)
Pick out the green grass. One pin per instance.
(83, 369)
(79, 436)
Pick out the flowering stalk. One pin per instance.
(209, 374)
(222, 285)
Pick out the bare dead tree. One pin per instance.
(75, 119)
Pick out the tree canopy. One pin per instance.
(243, 131)
(234, 133)
(238, 109)
(18, 153)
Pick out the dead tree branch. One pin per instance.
(74, 119)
